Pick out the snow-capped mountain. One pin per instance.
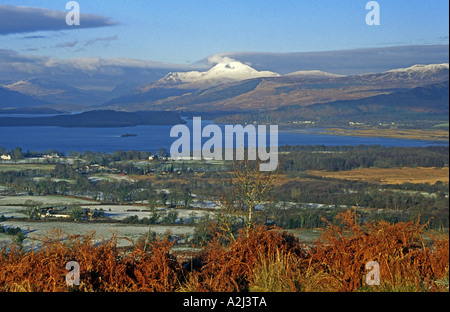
(37, 87)
(418, 71)
(422, 69)
(226, 71)
(53, 91)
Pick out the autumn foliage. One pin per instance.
(260, 259)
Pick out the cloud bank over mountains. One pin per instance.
(341, 62)
(20, 19)
(84, 72)
(104, 73)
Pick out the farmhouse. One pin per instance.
(62, 212)
(53, 213)
(5, 157)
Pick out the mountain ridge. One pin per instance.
(268, 93)
(421, 104)
(97, 118)
(228, 86)
(14, 99)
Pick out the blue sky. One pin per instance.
(186, 31)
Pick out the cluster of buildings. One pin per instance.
(155, 157)
(47, 156)
(62, 212)
(306, 122)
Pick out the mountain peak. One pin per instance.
(228, 70)
(420, 70)
(40, 88)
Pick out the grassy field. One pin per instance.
(44, 200)
(307, 236)
(21, 167)
(103, 231)
(416, 134)
(390, 176)
(12, 211)
(442, 125)
(14, 206)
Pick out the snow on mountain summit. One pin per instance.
(313, 74)
(422, 68)
(226, 71)
(420, 71)
(236, 70)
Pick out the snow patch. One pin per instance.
(313, 74)
(419, 68)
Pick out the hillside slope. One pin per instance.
(425, 103)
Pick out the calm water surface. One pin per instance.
(150, 138)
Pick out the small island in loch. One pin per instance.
(128, 135)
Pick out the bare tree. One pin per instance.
(250, 187)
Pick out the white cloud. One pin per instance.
(219, 59)
(69, 44)
(107, 40)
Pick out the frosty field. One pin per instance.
(12, 211)
(45, 200)
(13, 207)
(102, 231)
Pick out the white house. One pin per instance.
(5, 157)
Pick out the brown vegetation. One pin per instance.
(390, 175)
(260, 259)
(415, 134)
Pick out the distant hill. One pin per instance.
(13, 99)
(152, 95)
(55, 92)
(98, 118)
(430, 102)
(31, 110)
